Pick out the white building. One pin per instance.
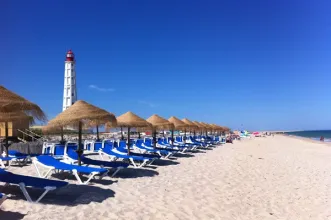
(70, 90)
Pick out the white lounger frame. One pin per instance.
(158, 152)
(114, 158)
(74, 172)
(181, 150)
(72, 161)
(4, 197)
(19, 161)
(27, 195)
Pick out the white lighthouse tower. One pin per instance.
(70, 90)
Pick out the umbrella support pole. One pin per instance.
(122, 137)
(128, 140)
(154, 139)
(98, 139)
(172, 137)
(79, 151)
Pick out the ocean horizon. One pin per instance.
(312, 134)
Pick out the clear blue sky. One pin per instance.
(263, 64)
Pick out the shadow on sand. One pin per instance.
(165, 163)
(68, 176)
(70, 195)
(11, 215)
(184, 155)
(129, 173)
(199, 152)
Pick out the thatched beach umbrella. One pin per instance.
(54, 130)
(199, 126)
(7, 117)
(178, 125)
(190, 125)
(207, 126)
(10, 103)
(214, 127)
(81, 113)
(131, 120)
(159, 123)
(202, 126)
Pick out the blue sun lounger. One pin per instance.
(72, 157)
(113, 155)
(54, 165)
(2, 198)
(12, 159)
(29, 181)
(143, 148)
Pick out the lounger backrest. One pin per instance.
(108, 146)
(122, 147)
(72, 154)
(97, 146)
(47, 160)
(148, 140)
(59, 149)
(122, 144)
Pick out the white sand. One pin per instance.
(263, 178)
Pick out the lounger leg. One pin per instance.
(116, 171)
(133, 163)
(77, 177)
(42, 195)
(3, 199)
(2, 165)
(168, 155)
(38, 172)
(25, 193)
(143, 164)
(103, 175)
(101, 155)
(47, 173)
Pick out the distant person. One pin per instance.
(322, 138)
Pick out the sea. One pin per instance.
(315, 135)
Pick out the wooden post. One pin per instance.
(184, 135)
(98, 139)
(172, 137)
(6, 140)
(122, 137)
(154, 138)
(128, 140)
(80, 150)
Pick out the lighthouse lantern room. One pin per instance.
(70, 90)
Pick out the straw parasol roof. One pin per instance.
(15, 116)
(225, 129)
(203, 126)
(130, 119)
(11, 102)
(82, 111)
(177, 123)
(189, 123)
(159, 122)
(207, 126)
(200, 126)
(214, 127)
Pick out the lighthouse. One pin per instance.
(70, 90)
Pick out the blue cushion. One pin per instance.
(8, 177)
(50, 161)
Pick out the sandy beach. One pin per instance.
(262, 178)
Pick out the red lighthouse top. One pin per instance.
(70, 56)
